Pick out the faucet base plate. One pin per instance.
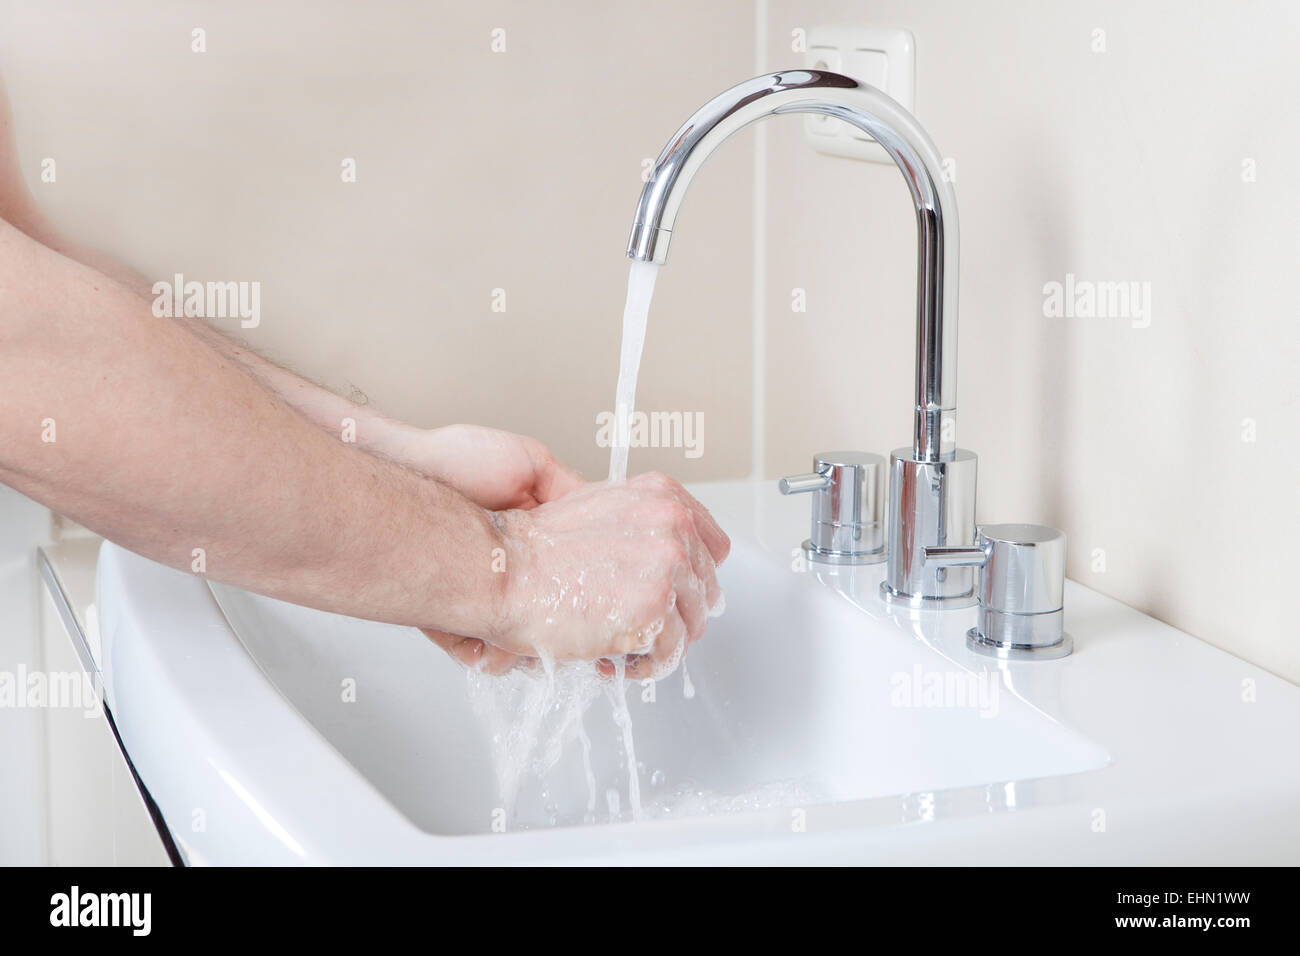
(918, 602)
(842, 557)
(978, 643)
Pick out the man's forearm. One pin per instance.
(130, 425)
(374, 432)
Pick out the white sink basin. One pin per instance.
(822, 727)
(792, 692)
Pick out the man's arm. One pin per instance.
(128, 424)
(19, 208)
(493, 468)
(167, 437)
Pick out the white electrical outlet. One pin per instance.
(883, 58)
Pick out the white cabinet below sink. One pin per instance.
(94, 813)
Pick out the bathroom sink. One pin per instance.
(791, 701)
(813, 723)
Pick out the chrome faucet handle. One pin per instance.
(846, 507)
(1021, 590)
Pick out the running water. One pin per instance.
(532, 718)
(640, 290)
(636, 312)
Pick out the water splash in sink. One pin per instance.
(530, 720)
(617, 693)
(549, 772)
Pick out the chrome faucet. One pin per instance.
(931, 484)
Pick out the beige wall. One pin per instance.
(520, 170)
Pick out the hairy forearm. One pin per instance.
(130, 425)
(371, 432)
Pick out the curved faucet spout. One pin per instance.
(863, 106)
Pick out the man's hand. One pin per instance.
(495, 469)
(610, 570)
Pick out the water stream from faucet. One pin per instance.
(636, 311)
(532, 717)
